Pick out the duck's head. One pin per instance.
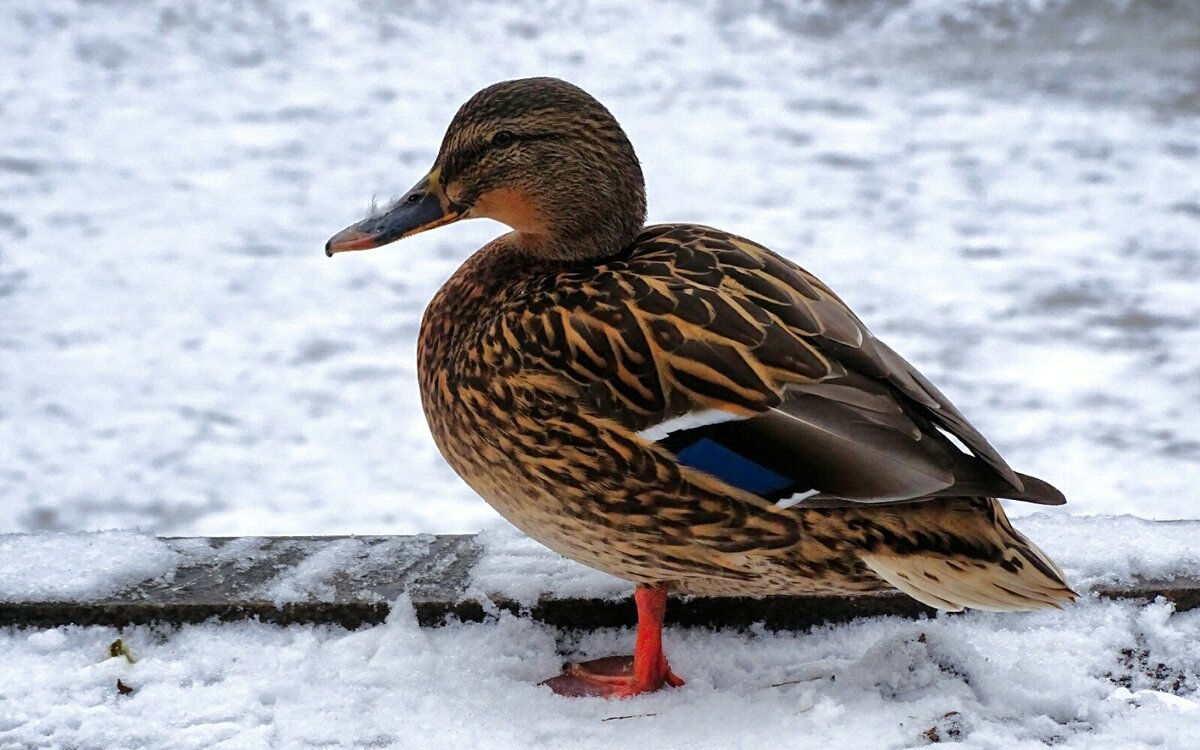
(537, 154)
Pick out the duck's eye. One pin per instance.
(503, 138)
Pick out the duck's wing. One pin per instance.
(829, 444)
(747, 367)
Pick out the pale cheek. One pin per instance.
(455, 192)
(513, 207)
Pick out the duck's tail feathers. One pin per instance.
(1012, 574)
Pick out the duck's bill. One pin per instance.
(424, 207)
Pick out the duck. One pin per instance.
(681, 407)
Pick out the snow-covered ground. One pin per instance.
(1098, 674)
(1005, 190)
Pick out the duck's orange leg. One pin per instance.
(624, 676)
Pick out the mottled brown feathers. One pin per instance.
(549, 360)
(537, 375)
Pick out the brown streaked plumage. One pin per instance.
(679, 406)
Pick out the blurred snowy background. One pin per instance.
(1007, 191)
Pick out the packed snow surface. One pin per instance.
(1005, 190)
(65, 567)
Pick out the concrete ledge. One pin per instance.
(350, 581)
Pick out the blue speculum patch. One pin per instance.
(731, 467)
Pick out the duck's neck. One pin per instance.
(576, 247)
(576, 219)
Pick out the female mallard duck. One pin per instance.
(678, 406)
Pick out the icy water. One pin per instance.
(1007, 192)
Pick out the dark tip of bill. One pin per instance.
(328, 250)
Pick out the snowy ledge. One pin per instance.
(121, 578)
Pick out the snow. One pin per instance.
(516, 568)
(1004, 190)
(1086, 677)
(66, 567)
(312, 578)
(1114, 550)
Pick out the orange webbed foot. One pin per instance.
(626, 676)
(611, 677)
